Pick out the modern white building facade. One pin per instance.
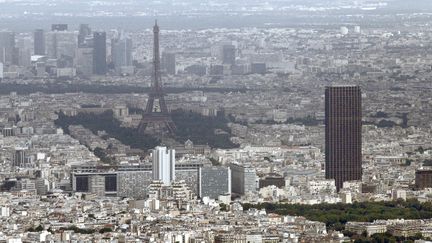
(164, 165)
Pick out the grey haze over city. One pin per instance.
(131, 14)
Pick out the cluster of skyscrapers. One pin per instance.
(62, 52)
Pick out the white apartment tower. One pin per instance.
(164, 165)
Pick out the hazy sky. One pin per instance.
(133, 14)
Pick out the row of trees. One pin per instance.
(74, 228)
(201, 129)
(196, 127)
(60, 88)
(103, 156)
(106, 122)
(307, 121)
(382, 238)
(337, 215)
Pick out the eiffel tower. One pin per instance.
(156, 114)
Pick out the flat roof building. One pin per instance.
(343, 134)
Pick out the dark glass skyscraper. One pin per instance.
(343, 134)
(99, 53)
(39, 42)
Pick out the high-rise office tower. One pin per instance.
(39, 42)
(84, 61)
(121, 51)
(84, 32)
(214, 181)
(343, 134)
(423, 179)
(228, 54)
(51, 44)
(7, 47)
(243, 179)
(164, 165)
(61, 43)
(24, 50)
(19, 159)
(99, 53)
(169, 62)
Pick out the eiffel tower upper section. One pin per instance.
(156, 115)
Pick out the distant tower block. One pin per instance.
(156, 114)
(99, 53)
(228, 54)
(169, 62)
(39, 42)
(343, 134)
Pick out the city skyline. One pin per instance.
(222, 121)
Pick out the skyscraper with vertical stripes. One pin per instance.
(164, 165)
